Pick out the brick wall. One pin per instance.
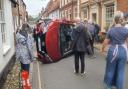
(122, 5)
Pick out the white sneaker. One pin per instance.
(82, 74)
(75, 72)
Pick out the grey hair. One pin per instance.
(118, 17)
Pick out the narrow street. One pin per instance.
(60, 75)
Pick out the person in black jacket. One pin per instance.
(80, 38)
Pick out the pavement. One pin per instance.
(60, 75)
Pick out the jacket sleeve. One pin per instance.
(30, 44)
(88, 36)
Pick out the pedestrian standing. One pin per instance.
(91, 28)
(97, 30)
(80, 39)
(24, 46)
(117, 53)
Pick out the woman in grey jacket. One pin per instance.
(24, 46)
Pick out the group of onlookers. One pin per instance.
(83, 36)
(117, 38)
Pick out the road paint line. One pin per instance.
(39, 75)
(30, 74)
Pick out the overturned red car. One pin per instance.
(53, 39)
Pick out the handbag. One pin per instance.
(89, 49)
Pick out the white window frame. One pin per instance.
(66, 13)
(75, 11)
(3, 29)
(109, 15)
(2, 23)
(69, 13)
(86, 13)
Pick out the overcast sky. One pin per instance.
(35, 6)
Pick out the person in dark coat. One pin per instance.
(97, 28)
(91, 28)
(80, 38)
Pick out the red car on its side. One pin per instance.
(56, 42)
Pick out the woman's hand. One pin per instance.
(105, 43)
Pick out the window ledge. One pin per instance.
(6, 48)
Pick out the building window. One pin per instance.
(66, 2)
(69, 14)
(62, 3)
(85, 13)
(62, 14)
(66, 13)
(75, 12)
(69, 1)
(2, 23)
(109, 14)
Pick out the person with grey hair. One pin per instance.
(80, 40)
(117, 54)
(91, 28)
(24, 46)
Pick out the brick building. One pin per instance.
(52, 10)
(68, 9)
(19, 13)
(122, 5)
(102, 11)
(22, 11)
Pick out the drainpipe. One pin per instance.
(18, 14)
(72, 11)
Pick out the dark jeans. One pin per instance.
(25, 67)
(79, 55)
(92, 44)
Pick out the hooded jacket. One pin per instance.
(81, 37)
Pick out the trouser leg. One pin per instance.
(121, 70)
(25, 67)
(110, 70)
(82, 54)
(76, 62)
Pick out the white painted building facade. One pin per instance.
(7, 48)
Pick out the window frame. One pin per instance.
(75, 11)
(3, 30)
(109, 14)
(2, 23)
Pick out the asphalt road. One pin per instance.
(60, 75)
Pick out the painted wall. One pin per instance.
(7, 50)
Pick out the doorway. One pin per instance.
(94, 17)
